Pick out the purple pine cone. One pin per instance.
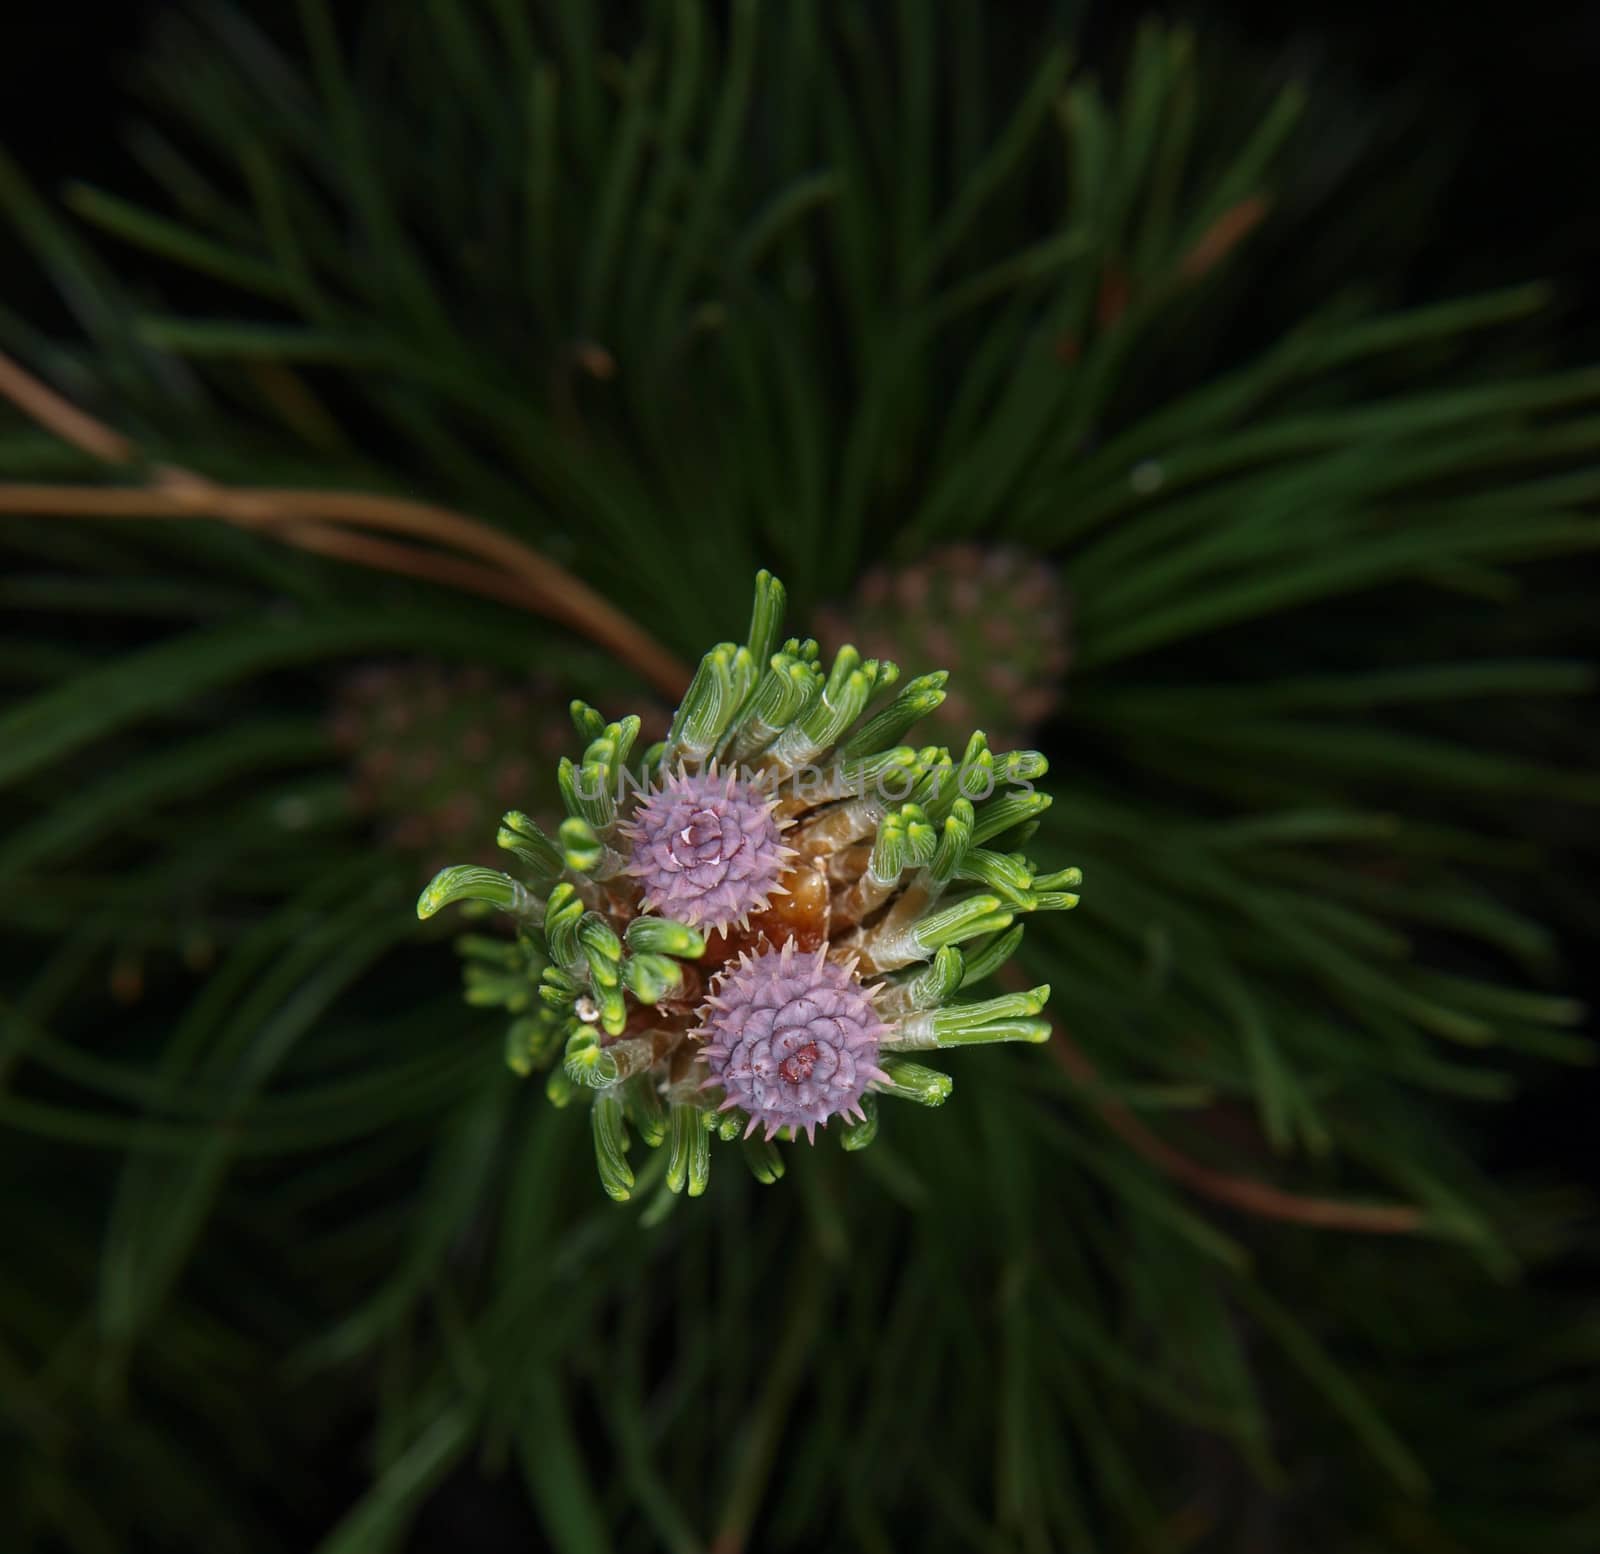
(792, 1039)
(707, 850)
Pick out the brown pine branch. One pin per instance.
(503, 568)
(406, 560)
(323, 539)
(48, 409)
(1240, 1192)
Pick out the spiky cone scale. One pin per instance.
(995, 616)
(749, 940)
(706, 849)
(791, 1039)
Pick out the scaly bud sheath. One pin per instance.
(600, 944)
(688, 1150)
(620, 736)
(954, 844)
(589, 724)
(587, 1062)
(586, 792)
(838, 828)
(610, 1146)
(782, 693)
(891, 773)
(465, 882)
(936, 787)
(559, 988)
(563, 912)
(1000, 814)
(948, 925)
(919, 697)
(766, 616)
(905, 841)
(987, 959)
(662, 936)
(1011, 1017)
(581, 850)
(716, 693)
(843, 699)
(975, 773)
(643, 1108)
(1021, 766)
(650, 978)
(873, 786)
(521, 836)
(1007, 875)
(931, 987)
(1062, 879)
(914, 1082)
(610, 1004)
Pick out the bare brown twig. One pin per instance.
(48, 409)
(407, 560)
(504, 568)
(1240, 1192)
(324, 539)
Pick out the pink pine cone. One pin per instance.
(792, 1039)
(707, 849)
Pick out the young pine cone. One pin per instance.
(743, 931)
(994, 616)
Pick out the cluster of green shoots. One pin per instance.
(743, 930)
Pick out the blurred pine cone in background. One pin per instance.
(435, 752)
(995, 616)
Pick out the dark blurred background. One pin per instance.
(1508, 97)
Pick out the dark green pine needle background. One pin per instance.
(293, 1262)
